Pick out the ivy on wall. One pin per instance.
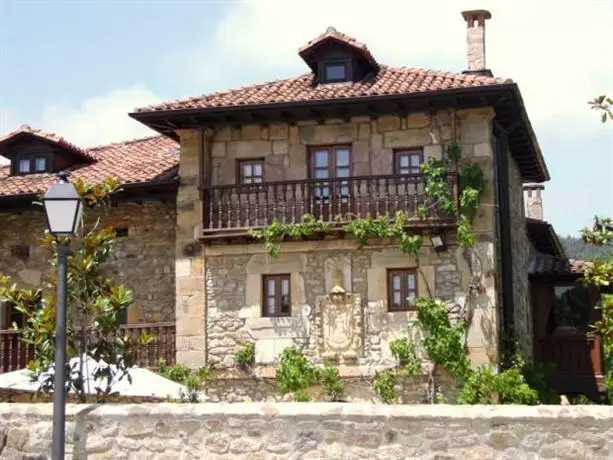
(439, 195)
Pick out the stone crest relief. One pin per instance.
(338, 325)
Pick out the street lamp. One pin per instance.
(63, 208)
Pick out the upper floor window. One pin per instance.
(250, 171)
(408, 161)
(276, 295)
(31, 165)
(335, 71)
(331, 163)
(24, 166)
(402, 289)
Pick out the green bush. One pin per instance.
(404, 350)
(295, 371)
(334, 388)
(484, 386)
(384, 385)
(245, 355)
(301, 396)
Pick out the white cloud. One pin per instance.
(99, 119)
(555, 51)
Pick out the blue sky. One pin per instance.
(77, 67)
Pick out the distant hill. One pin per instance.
(576, 249)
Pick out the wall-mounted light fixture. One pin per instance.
(438, 242)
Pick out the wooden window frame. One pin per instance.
(278, 295)
(332, 167)
(404, 289)
(31, 158)
(398, 153)
(251, 161)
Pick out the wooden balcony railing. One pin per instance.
(232, 209)
(572, 354)
(15, 355)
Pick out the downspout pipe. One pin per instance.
(501, 171)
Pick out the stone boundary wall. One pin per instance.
(311, 431)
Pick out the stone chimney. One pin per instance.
(475, 40)
(533, 200)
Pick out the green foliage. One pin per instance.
(439, 193)
(333, 386)
(193, 380)
(536, 376)
(604, 105)
(301, 396)
(576, 248)
(404, 350)
(95, 303)
(444, 343)
(384, 385)
(245, 355)
(277, 232)
(484, 386)
(295, 371)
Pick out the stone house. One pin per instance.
(344, 139)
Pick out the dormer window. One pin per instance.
(334, 72)
(32, 164)
(32, 151)
(24, 166)
(335, 57)
(40, 164)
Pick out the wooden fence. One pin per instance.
(15, 355)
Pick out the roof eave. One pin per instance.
(502, 94)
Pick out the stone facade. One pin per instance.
(219, 286)
(522, 253)
(144, 258)
(311, 431)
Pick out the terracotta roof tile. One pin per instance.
(545, 264)
(332, 34)
(136, 161)
(26, 130)
(387, 81)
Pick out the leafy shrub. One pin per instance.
(295, 371)
(537, 376)
(384, 385)
(245, 355)
(484, 386)
(333, 386)
(177, 373)
(301, 396)
(404, 350)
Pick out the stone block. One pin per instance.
(418, 120)
(248, 149)
(433, 151)
(360, 152)
(328, 134)
(364, 131)
(376, 142)
(278, 131)
(251, 132)
(183, 267)
(218, 150)
(407, 138)
(484, 149)
(286, 263)
(223, 134)
(388, 123)
(280, 147)
(190, 285)
(382, 161)
(392, 258)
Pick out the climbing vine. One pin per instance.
(439, 193)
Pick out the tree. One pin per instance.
(600, 273)
(96, 304)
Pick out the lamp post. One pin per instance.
(63, 207)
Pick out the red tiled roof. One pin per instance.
(332, 34)
(136, 161)
(26, 130)
(544, 264)
(388, 81)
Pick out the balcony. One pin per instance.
(15, 354)
(231, 210)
